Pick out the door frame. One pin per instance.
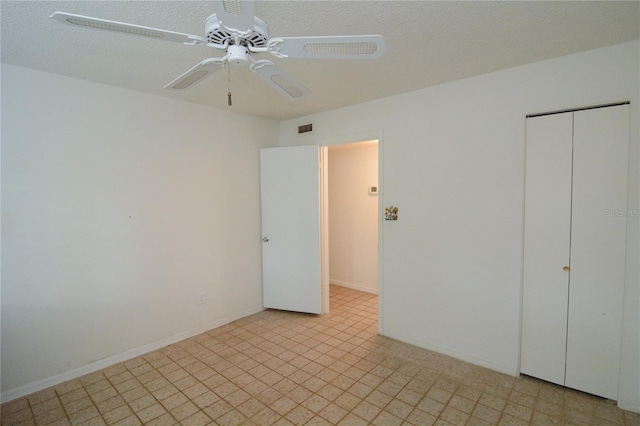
(343, 140)
(323, 171)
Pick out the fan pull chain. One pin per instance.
(229, 81)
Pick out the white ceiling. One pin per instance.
(428, 43)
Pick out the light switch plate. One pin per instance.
(391, 213)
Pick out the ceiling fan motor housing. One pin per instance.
(219, 34)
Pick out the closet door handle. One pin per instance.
(566, 269)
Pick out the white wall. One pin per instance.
(353, 216)
(453, 162)
(119, 208)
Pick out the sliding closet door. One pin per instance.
(598, 237)
(546, 251)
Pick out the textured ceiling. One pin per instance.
(428, 43)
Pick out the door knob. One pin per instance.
(265, 239)
(566, 269)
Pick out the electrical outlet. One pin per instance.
(202, 297)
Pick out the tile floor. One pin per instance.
(283, 368)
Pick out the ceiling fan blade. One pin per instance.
(286, 85)
(196, 74)
(121, 27)
(235, 15)
(330, 47)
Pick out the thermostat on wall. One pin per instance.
(373, 190)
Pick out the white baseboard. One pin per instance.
(353, 286)
(501, 368)
(39, 385)
(628, 405)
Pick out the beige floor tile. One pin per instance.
(378, 398)
(151, 412)
(399, 409)
(284, 386)
(251, 407)
(284, 405)
(51, 416)
(184, 411)
(315, 403)
(386, 419)
(218, 409)
(78, 405)
(352, 420)
(542, 418)
(632, 418)
(198, 419)
(347, 401)
(117, 414)
(73, 395)
(45, 406)
(390, 388)
(366, 410)
(461, 403)
(518, 411)
(42, 396)
(508, 420)
(110, 404)
(67, 387)
(419, 417)
(318, 421)
(333, 413)
(266, 417)
(454, 416)
(440, 395)
(495, 402)
(23, 416)
(129, 421)
(84, 415)
(521, 398)
(487, 414)
(299, 415)
(474, 421)
(97, 387)
(127, 385)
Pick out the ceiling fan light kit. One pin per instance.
(237, 55)
(234, 30)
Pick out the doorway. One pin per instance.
(353, 215)
(295, 212)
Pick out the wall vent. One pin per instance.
(305, 128)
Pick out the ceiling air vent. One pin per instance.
(305, 128)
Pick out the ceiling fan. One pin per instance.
(234, 30)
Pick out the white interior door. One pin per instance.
(598, 236)
(292, 248)
(546, 247)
